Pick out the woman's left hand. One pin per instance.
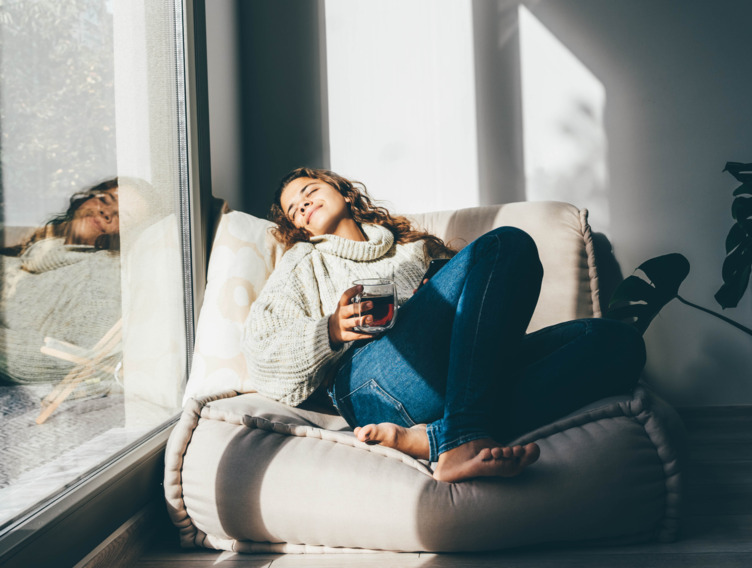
(345, 318)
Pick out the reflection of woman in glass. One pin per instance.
(63, 283)
(458, 359)
(92, 219)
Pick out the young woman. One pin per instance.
(92, 219)
(63, 282)
(457, 377)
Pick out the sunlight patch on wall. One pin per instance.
(564, 137)
(401, 100)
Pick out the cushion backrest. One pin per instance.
(244, 254)
(562, 234)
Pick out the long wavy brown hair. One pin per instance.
(362, 210)
(60, 225)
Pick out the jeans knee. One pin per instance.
(513, 242)
(511, 235)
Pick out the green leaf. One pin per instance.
(730, 293)
(738, 262)
(637, 301)
(745, 188)
(637, 315)
(666, 272)
(735, 237)
(741, 208)
(742, 172)
(633, 289)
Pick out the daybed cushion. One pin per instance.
(248, 474)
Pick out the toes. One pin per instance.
(364, 434)
(486, 454)
(531, 454)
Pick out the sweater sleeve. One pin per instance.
(286, 340)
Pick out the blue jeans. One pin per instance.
(459, 360)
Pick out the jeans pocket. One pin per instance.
(369, 404)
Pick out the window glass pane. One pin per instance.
(92, 312)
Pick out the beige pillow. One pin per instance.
(243, 256)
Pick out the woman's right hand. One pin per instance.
(345, 318)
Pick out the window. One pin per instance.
(97, 189)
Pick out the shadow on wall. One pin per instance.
(498, 91)
(541, 132)
(609, 271)
(283, 98)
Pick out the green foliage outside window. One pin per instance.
(57, 99)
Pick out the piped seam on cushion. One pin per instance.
(612, 410)
(587, 236)
(638, 410)
(346, 438)
(669, 525)
(177, 446)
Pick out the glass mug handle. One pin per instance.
(357, 301)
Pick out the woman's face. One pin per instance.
(315, 206)
(97, 216)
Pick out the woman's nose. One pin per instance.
(107, 212)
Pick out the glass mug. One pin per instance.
(382, 293)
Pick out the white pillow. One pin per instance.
(243, 256)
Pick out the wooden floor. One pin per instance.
(717, 530)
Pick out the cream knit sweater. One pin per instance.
(286, 335)
(68, 292)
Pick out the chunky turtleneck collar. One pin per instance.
(380, 240)
(49, 254)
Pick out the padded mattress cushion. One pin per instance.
(248, 474)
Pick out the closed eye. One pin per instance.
(296, 209)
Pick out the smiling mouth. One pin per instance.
(96, 222)
(308, 219)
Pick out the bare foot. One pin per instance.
(411, 441)
(484, 458)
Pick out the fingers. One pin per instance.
(349, 323)
(351, 310)
(354, 336)
(349, 294)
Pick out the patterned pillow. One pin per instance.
(242, 257)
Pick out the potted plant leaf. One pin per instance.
(637, 300)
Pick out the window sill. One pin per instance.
(74, 523)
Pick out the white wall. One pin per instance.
(402, 100)
(678, 91)
(629, 109)
(674, 107)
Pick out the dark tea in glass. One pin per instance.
(382, 293)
